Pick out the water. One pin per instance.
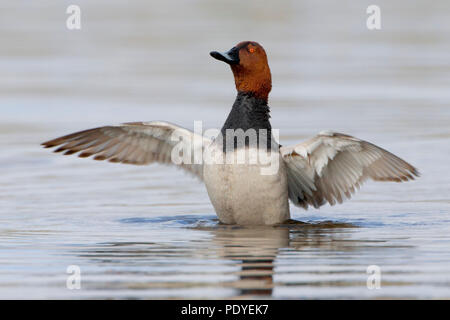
(151, 232)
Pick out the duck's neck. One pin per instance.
(248, 112)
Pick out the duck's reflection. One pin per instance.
(257, 248)
(253, 250)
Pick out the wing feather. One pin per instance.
(136, 143)
(331, 166)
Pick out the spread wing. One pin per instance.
(136, 143)
(330, 166)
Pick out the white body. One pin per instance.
(241, 194)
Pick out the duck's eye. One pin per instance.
(251, 50)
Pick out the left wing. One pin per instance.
(328, 168)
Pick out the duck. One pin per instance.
(327, 168)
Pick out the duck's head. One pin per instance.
(251, 71)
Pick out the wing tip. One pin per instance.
(409, 175)
(50, 144)
(412, 174)
(85, 154)
(67, 153)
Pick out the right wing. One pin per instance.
(135, 143)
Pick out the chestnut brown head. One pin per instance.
(251, 71)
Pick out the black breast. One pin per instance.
(250, 115)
